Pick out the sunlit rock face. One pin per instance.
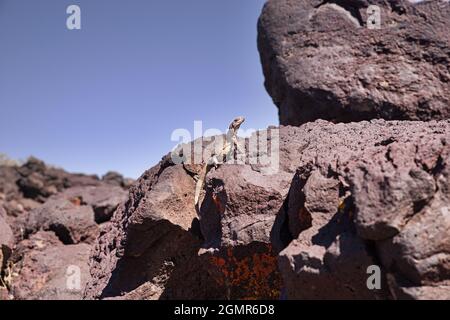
(322, 59)
(345, 197)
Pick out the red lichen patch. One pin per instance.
(218, 203)
(248, 273)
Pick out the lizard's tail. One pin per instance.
(200, 184)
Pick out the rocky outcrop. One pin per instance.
(9, 190)
(39, 181)
(6, 246)
(51, 219)
(321, 61)
(23, 188)
(6, 235)
(73, 214)
(57, 242)
(102, 199)
(332, 209)
(46, 269)
(115, 178)
(71, 222)
(309, 230)
(396, 187)
(162, 242)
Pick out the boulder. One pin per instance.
(103, 199)
(322, 61)
(115, 178)
(54, 216)
(395, 190)
(159, 229)
(6, 237)
(75, 213)
(39, 181)
(71, 222)
(24, 188)
(46, 269)
(20, 206)
(308, 230)
(4, 295)
(8, 187)
(332, 268)
(6, 242)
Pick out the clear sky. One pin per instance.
(108, 96)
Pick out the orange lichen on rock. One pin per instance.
(76, 201)
(217, 203)
(247, 276)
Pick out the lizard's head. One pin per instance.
(236, 123)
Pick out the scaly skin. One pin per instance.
(227, 152)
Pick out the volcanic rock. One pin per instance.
(6, 241)
(71, 222)
(46, 269)
(316, 215)
(322, 61)
(39, 181)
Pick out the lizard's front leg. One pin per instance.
(238, 145)
(213, 161)
(193, 170)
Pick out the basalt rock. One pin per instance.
(23, 188)
(71, 222)
(160, 230)
(6, 244)
(39, 181)
(9, 190)
(103, 199)
(344, 197)
(6, 236)
(322, 61)
(115, 178)
(74, 215)
(46, 269)
(51, 219)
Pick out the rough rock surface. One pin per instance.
(6, 235)
(321, 61)
(71, 222)
(4, 294)
(46, 269)
(51, 218)
(160, 242)
(8, 187)
(315, 215)
(25, 187)
(103, 200)
(74, 214)
(39, 181)
(6, 244)
(344, 198)
(115, 178)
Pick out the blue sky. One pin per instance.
(108, 96)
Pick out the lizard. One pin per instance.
(225, 154)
